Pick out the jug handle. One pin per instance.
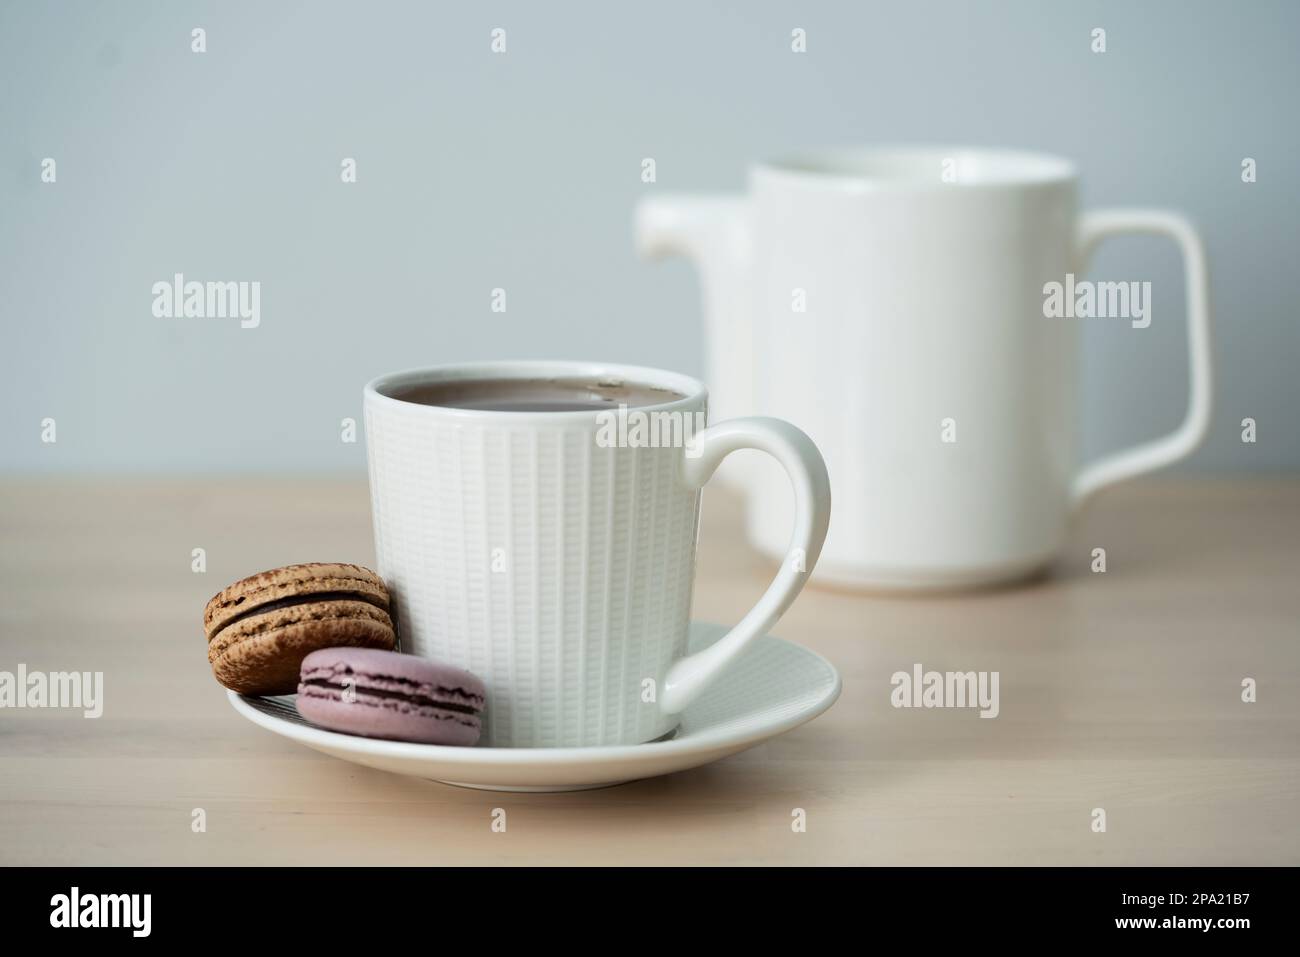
(1156, 453)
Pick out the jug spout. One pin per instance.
(713, 232)
(699, 226)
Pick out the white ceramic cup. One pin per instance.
(891, 301)
(558, 567)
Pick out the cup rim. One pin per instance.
(693, 392)
(863, 169)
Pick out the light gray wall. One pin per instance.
(520, 171)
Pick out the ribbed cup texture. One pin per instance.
(558, 571)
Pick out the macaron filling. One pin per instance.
(414, 696)
(303, 599)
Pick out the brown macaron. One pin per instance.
(260, 628)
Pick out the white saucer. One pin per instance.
(773, 687)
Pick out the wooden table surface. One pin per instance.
(1119, 691)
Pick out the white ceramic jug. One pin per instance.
(891, 302)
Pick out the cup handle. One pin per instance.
(812, 494)
(1170, 448)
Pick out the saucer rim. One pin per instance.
(590, 754)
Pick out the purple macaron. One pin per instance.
(384, 694)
